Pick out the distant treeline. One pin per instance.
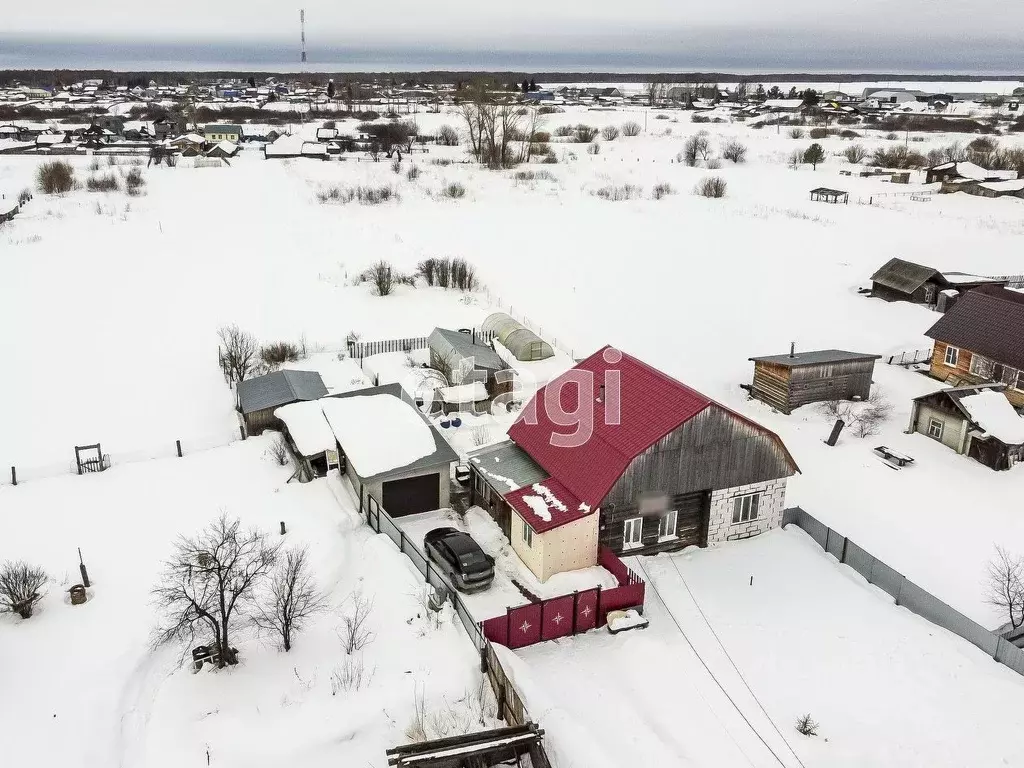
(49, 77)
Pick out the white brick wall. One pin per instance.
(769, 511)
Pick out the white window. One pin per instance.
(935, 428)
(952, 356)
(667, 525)
(981, 366)
(744, 508)
(527, 534)
(634, 533)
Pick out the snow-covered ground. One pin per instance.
(82, 687)
(810, 637)
(109, 307)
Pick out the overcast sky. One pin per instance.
(967, 35)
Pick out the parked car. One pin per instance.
(460, 559)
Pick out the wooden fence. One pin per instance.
(360, 349)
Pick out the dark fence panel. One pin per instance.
(835, 545)
(586, 609)
(496, 629)
(525, 623)
(556, 617)
(620, 598)
(886, 578)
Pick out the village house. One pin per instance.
(111, 123)
(257, 398)
(981, 340)
(463, 360)
(659, 466)
(901, 280)
(216, 132)
(976, 421)
(785, 382)
(953, 175)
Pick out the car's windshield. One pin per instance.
(472, 559)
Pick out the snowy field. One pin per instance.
(810, 636)
(89, 690)
(109, 307)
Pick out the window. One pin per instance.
(744, 508)
(667, 526)
(527, 534)
(952, 356)
(981, 366)
(634, 533)
(935, 428)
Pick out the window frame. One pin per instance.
(942, 428)
(635, 524)
(527, 534)
(983, 362)
(672, 514)
(752, 504)
(955, 355)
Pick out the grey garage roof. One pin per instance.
(819, 357)
(447, 343)
(279, 388)
(507, 467)
(439, 460)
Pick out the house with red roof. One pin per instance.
(617, 453)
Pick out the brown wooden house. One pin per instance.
(785, 382)
(976, 421)
(901, 280)
(663, 466)
(981, 340)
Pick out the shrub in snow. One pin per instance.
(631, 128)
(697, 147)
(711, 186)
(807, 726)
(463, 275)
(892, 136)
(279, 450)
(661, 190)
(619, 193)
(734, 151)
(134, 182)
(441, 161)
(277, 353)
(481, 435)
(376, 195)
(55, 177)
(796, 157)
(396, 165)
(540, 137)
(549, 110)
(447, 136)
(848, 134)
(238, 352)
(452, 719)
(355, 633)
(550, 159)
(819, 133)
(533, 176)
(291, 599)
(104, 183)
(855, 153)
(453, 191)
(1005, 586)
(413, 173)
(24, 196)
(898, 157)
(22, 586)
(699, 118)
(594, 149)
(210, 584)
(382, 275)
(796, 133)
(565, 130)
(714, 164)
(584, 134)
(813, 155)
(350, 675)
(609, 133)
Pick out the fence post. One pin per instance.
(575, 606)
(14, 475)
(241, 430)
(177, 444)
(401, 544)
(597, 617)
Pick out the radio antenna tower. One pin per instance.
(302, 27)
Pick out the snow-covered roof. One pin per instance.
(463, 393)
(287, 145)
(228, 147)
(547, 505)
(1010, 185)
(378, 432)
(308, 427)
(991, 411)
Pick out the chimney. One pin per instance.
(792, 349)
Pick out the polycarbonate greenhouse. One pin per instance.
(517, 338)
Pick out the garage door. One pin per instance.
(692, 509)
(412, 495)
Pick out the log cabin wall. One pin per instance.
(785, 388)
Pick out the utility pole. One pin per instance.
(302, 32)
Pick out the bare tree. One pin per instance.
(697, 147)
(21, 588)
(631, 128)
(239, 354)
(735, 151)
(279, 450)
(1005, 587)
(855, 153)
(354, 633)
(209, 584)
(711, 186)
(382, 276)
(292, 598)
(655, 92)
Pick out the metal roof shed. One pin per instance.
(517, 338)
(257, 398)
(457, 356)
(786, 382)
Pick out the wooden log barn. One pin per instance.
(785, 382)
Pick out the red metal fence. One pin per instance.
(568, 614)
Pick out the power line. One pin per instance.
(708, 669)
(734, 666)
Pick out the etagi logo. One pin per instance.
(578, 400)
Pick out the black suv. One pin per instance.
(460, 559)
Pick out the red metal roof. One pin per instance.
(550, 505)
(651, 404)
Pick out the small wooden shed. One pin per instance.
(826, 195)
(786, 382)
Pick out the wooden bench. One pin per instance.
(895, 457)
